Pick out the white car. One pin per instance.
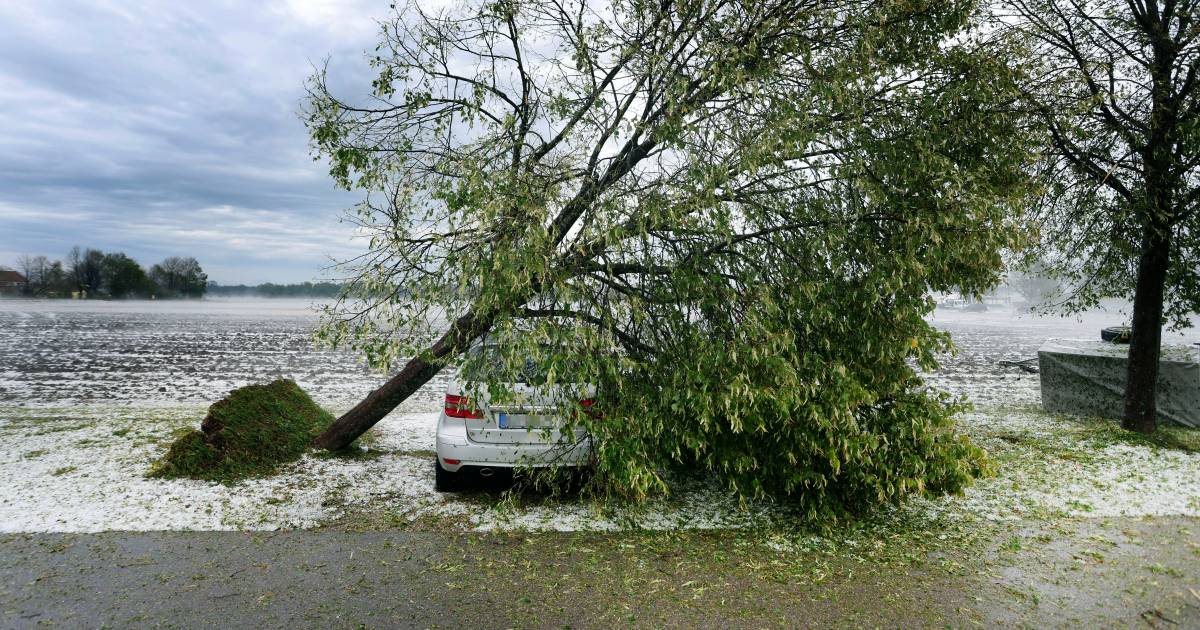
(478, 435)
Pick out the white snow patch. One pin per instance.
(1127, 481)
(84, 470)
(72, 460)
(406, 432)
(74, 474)
(1064, 466)
(69, 472)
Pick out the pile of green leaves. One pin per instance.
(249, 433)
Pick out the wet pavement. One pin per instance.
(1081, 573)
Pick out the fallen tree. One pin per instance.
(727, 215)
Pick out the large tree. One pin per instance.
(1117, 85)
(36, 270)
(86, 268)
(180, 276)
(728, 215)
(123, 277)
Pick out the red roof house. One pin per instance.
(11, 281)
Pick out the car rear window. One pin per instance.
(486, 362)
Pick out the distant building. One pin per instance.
(11, 282)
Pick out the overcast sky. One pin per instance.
(170, 128)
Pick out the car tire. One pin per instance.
(444, 480)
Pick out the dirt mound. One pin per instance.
(249, 433)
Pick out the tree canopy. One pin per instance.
(123, 277)
(180, 276)
(726, 215)
(93, 273)
(1115, 86)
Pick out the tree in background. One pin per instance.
(97, 274)
(58, 281)
(75, 267)
(36, 270)
(122, 277)
(729, 216)
(270, 289)
(180, 276)
(86, 268)
(1034, 282)
(1117, 85)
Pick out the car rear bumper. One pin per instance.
(453, 444)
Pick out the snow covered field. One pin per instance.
(90, 393)
(170, 353)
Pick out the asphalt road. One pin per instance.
(1078, 573)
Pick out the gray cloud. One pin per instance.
(164, 128)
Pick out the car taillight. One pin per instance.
(587, 404)
(461, 407)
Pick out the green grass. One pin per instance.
(1168, 437)
(250, 433)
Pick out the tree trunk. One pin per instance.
(397, 389)
(1141, 381)
(1157, 219)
